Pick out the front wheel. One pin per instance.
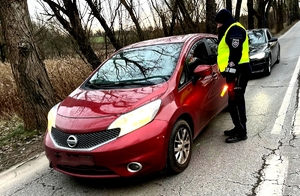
(278, 56)
(180, 147)
(268, 66)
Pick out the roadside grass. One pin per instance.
(12, 132)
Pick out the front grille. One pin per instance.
(86, 140)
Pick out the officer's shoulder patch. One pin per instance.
(235, 43)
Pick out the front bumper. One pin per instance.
(258, 65)
(146, 147)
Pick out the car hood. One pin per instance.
(256, 48)
(102, 103)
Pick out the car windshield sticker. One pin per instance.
(235, 43)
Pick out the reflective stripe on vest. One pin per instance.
(223, 50)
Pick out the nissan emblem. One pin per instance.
(72, 141)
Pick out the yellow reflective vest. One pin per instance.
(223, 50)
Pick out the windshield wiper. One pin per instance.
(93, 85)
(164, 77)
(118, 84)
(130, 83)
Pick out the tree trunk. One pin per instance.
(238, 10)
(211, 26)
(229, 5)
(293, 11)
(261, 20)
(250, 14)
(279, 15)
(33, 84)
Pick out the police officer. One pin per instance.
(233, 62)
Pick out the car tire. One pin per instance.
(278, 56)
(268, 66)
(179, 148)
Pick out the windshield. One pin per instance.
(256, 37)
(147, 65)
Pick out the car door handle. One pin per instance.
(215, 75)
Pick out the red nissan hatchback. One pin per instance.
(139, 111)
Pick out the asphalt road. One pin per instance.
(268, 163)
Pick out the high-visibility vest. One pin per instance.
(223, 50)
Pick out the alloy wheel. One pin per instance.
(180, 147)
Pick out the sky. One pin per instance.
(35, 8)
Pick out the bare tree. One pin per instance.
(187, 19)
(69, 9)
(250, 14)
(96, 9)
(229, 5)
(279, 14)
(210, 13)
(131, 11)
(238, 10)
(167, 15)
(294, 10)
(33, 84)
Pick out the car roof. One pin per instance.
(258, 29)
(169, 39)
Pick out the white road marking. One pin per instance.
(296, 119)
(296, 123)
(286, 101)
(273, 176)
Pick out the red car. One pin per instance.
(139, 112)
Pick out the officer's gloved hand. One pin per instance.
(230, 71)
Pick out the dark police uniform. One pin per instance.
(233, 61)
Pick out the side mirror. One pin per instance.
(273, 39)
(203, 70)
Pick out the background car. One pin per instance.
(264, 50)
(139, 112)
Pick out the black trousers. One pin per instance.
(236, 99)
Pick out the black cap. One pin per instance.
(223, 16)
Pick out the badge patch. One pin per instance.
(235, 43)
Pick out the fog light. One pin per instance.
(134, 167)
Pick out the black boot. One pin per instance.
(236, 138)
(231, 132)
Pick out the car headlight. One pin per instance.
(137, 118)
(258, 56)
(52, 117)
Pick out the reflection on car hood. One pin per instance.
(100, 103)
(256, 48)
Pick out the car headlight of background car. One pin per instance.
(137, 118)
(52, 117)
(260, 55)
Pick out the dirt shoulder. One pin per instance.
(16, 153)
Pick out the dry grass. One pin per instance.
(8, 91)
(65, 75)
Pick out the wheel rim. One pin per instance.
(269, 65)
(182, 145)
